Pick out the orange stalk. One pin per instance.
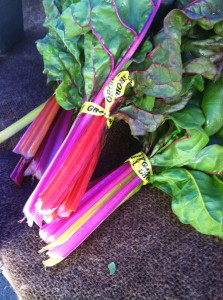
(35, 134)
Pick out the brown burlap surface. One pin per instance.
(156, 256)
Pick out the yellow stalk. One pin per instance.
(52, 261)
(74, 227)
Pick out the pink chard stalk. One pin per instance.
(65, 235)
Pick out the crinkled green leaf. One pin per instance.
(91, 15)
(207, 13)
(67, 95)
(61, 65)
(218, 28)
(96, 67)
(188, 118)
(163, 78)
(145, 103)
(188, 144)
(140, 121)
(202, 66)
(138, 62)
(212, 105)
(209, 159)
(134, 13)
(197, 198)
(167, 106)
(58, 61)
(52, 8)
(180, 151)
(165, 135)
(190, 81)
(158, 109)
(97, 49)
(142, 51)
(55, 25)
(211, 47)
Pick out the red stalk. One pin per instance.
(73, 199)
(74, 164)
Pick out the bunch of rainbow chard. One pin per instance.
(78, 40)
(177, 143)
(175, 73)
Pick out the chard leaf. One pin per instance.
(218, 28)
(58, 61)
(167, 106)
(140, 121)
(192, 140)
(188, 118)
(96, 67)
(61, 65)
(166, 134)
(211, 47)
(197, 198)
(146, 103)
(180, 151)
(138, 62)
(134, 13)
(209, 159)
(163, 77)
(212, 105)
(190, 81)
(52, 8)
(202, 66)
(207, 13)
(67, 95)
(86, 16)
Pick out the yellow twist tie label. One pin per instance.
(96, 110)
(114, 90)
(141, 166)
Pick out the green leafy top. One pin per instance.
(79, 39)
(186, 54)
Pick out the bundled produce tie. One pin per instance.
(141, 165)
(115, 89)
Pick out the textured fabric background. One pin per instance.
(156, 256)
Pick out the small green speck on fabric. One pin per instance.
(112, 268)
